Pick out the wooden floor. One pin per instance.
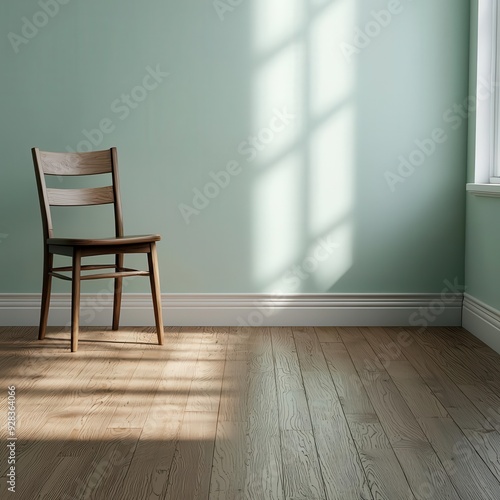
(263, 413)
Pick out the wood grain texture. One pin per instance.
(327, 334)
(415, 391)
(192, 464)
(292, 403)
(244, 413)
(425, 473)
(265, 471)
(80, 197)
(301, 472)
(410, 444)
(469, 378)
(467, 471)
(382, 468)
(229, 465)
(397, 419)
(487, 446)
(341, 467)
(93, 162)
(350, 389)
(443, 387)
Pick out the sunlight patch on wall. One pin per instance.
(277, 99)
(331, 172)
(332, 78)
(276, 21)
(304, 179)
(338, 245)
(276, 211)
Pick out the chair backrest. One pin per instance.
(77, 164)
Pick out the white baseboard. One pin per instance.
(240, 309)
(482, 320)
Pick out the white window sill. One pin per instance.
(484, 189)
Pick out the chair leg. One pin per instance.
(154, 277)
(75, 300)
(47, 285)
(117, 300)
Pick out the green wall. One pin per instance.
(482, 265)
(308, 207)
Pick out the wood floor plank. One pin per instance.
(149, 469)
(192, 464)
(84, 439)
(395, 416)
(397, 419)
(416, 393)
(409, 442)
(382, 468)
(230, 459)
(141, 389)
(227, 495)
(241, 413)
(443, 387)
(97, 408)
(469, 382)
(249, 400)
(350, 389)
(487, 446)
(341, 468)
(360, 351)
(383, 345)
(52, 424)
(234, 397)
(110, 463)
(471, 477)
(265, 468)
(425, 473)
(322, 397)
(383, 471)
(205, 389)
(301, 472)
(148, 472)
(460, 360)
(292, 404)
(327, 334)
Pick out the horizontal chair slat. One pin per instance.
(60, 276)
(87, 267)
(121, 274)
(94, 162)
(80, 197)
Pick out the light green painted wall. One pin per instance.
(482, 265)
(323, 176)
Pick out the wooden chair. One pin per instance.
(81, 164)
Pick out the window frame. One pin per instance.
(487, 137)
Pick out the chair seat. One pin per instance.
(122, 240)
